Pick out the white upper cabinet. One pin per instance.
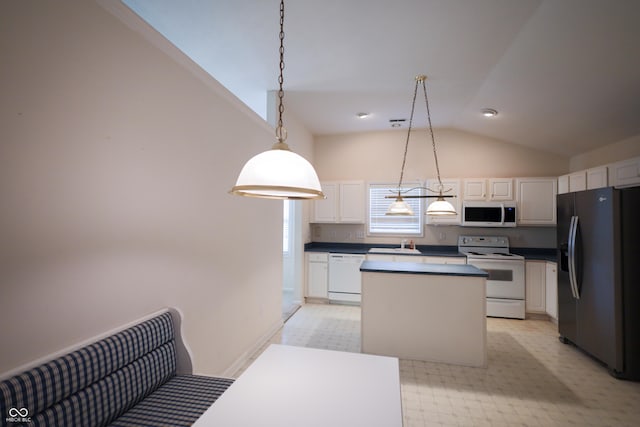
(345, 203)
(475, 189)
(597, 177)
(325, 210)
(500, 189)
(625, 173)
(352, 202)
(493, 189)
(536, 199)
(451, 188)
(583, 180)
(578, 181)
(563, 184)
(621, 174)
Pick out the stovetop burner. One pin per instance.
(486, 247)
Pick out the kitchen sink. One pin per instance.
(394, 251)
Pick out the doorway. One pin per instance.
(291, 258)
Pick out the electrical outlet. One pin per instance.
(360, 234)
(442, 236)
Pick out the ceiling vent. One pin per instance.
(396, 123)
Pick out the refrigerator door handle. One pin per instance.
(573, 231)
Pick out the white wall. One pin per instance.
(611, 153)
(378, 156)
(115, 161)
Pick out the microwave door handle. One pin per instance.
(502, 212)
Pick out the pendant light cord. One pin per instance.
(433, 139)
(281, 133)
(406, 144)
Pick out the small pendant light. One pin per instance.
(279, 173)
(440, 206)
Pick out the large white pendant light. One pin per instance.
(279, 173)
(440, 206)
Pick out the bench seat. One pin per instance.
(129, 378)
(179, 402)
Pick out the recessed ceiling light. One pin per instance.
(489, 112)
(362, 115)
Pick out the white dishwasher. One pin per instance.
(345, 282)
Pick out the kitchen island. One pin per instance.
(429, 312)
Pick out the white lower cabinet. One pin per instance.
(317, 275)
(446, 260)
(551, 289)
(395, 258)
(415, 258)
(535, 284)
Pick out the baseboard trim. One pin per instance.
(253, 350)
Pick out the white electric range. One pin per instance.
(505, 284)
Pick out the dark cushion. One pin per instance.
(179, 402)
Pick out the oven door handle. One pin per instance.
(573, 279)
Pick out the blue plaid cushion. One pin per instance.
(99, 381)
(179, 402)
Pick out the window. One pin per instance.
(381, 224)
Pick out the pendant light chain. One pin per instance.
(281, 133)
(433, 140)
(406, 144)
(279, 173)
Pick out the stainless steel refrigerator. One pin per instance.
(599, 276)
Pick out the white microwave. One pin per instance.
(488, 214)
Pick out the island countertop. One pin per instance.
(422, 268)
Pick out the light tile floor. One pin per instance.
(531, 380)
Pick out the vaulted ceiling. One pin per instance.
(564, 75)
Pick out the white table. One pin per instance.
(298, 386)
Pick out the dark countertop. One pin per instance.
(536, 254)
(421, 268)
(532, 254)
(361, 248)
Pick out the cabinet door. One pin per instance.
(474, 189)
(500, 189)
(451, 188)
(563, 184)
(408, 258)
(352, 205)
(317, 279)
(597, 177)
(445, 260)
(578, 181)
(535, 284)
(551, 289)
(536, 201)
(626, 173)
(380, 257)
(325, 210)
